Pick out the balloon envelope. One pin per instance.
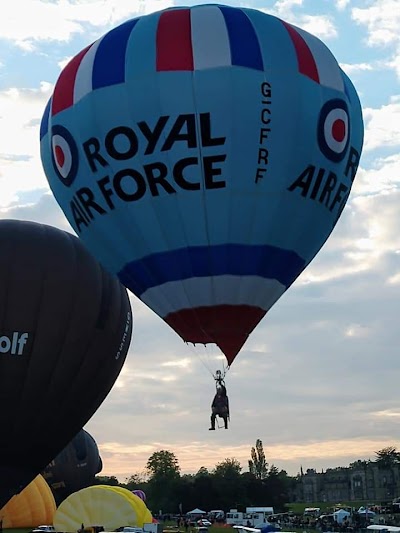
(140, 493)
(75, 467)
(110, 507)
(204, 155)
(34, 505)
(65, 328)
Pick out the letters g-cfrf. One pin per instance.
(14, 343)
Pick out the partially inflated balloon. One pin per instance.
(75, 466)
(140, 493)
(65, 328)
(204, 155)
(34, 505)
(143, 514)
(110, 507)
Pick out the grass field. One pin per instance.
(18, 530)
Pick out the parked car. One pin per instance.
(130, 529)
(43, 529)
(203, 522)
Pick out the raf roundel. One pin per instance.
(334, 130)
(64, 155)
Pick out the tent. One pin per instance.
(196, 512)
(340, 515)
(364, 512)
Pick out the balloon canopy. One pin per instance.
(204, 155)
(65, 329)
(75, 466)
(110, 507)
(140, 493)
(34, 505)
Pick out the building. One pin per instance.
(363, 480)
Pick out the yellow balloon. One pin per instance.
(142, 512)
(110, 507)
(33, 506)
(148, 517)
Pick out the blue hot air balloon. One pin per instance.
(204, 155)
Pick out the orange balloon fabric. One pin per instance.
(33, 506)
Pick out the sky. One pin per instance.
(318, 380)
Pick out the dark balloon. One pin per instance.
(65, 329)
(75, 467)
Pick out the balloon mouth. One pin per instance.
(227, 326)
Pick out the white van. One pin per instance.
(216, 514)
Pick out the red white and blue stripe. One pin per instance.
(180, 46)
(213, 294)
(314, 59)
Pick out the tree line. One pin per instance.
(224, 487)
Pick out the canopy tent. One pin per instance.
(340, 515)
(196, 511)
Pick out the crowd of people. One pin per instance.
(353, 523)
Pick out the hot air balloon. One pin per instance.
(104, 505)
(75, 466)
(65, 329)
(32, 506)
(204, 155)
(140, 494)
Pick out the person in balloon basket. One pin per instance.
(220, 407)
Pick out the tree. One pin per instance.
(163, 464)
(258, 466)
(228, 468)
(387, 457)
(359, 464)
(202, 471)
(135, 481)
(277, 487)
(226, 479)
(106, 480)
(162, 489)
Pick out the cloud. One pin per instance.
(394, 62)
(382, 176)
(382, 19)
(342, 4)
(285, 7)
(356, 67)
(382, 125)
(20, 165)
(37, 205)
(53, 22)
(319, 25)
(60, 21)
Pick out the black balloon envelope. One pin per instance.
(75, 467)
(65, 329)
